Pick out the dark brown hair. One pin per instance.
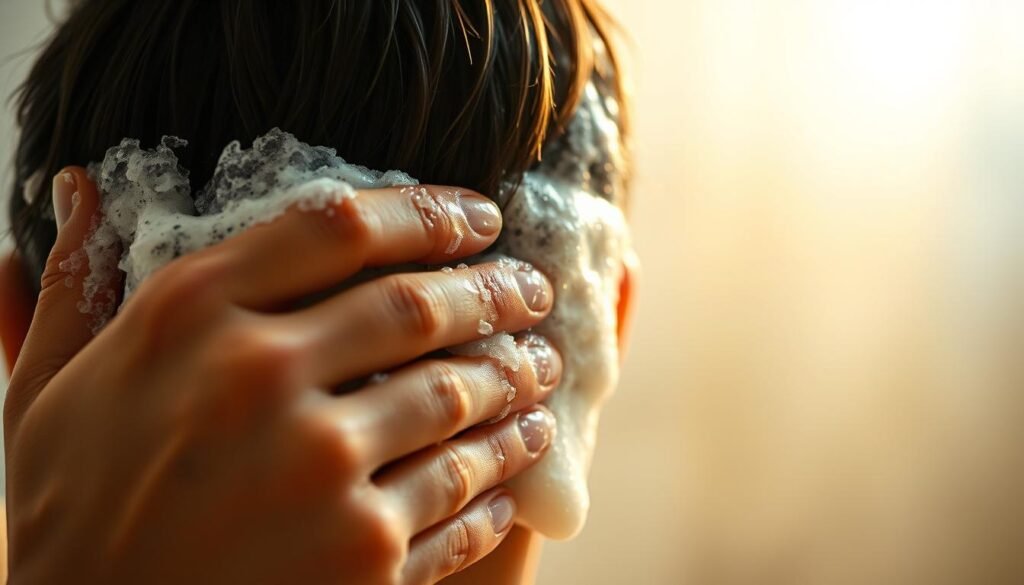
(457, 92)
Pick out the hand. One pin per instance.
(195, 440)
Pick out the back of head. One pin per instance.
(458, 92)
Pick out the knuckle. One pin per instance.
(430, 208)
(524, 380)
(254, 354)
(190, 277)
(438, 216)
(457, 475)
(248, 371)
(56, 272)
(369, 531)
(458, 545)
(191, 282)
(385, 539)
(335, 449)
(63, 269)
(448, 396)
(418, 308)
(502, 450)
(498, 292)
(348, 223)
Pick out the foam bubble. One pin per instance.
(434, 209)
(501, 347)
(484, 328)
(150, 218)
(563, 218)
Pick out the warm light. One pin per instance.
(899, 49)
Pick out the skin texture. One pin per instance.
(252, 415)
(233, 462)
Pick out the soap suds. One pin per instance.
(149, 215)
(72, 265)
(424, 203)
(501, 347)
(563, 219)
(433, 209)
(484, 328)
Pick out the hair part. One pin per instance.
(457, 92)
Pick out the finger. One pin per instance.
(439, 481)
(396, 318)
(432, 400)
(307, 251)
(59, 328)
(461, 541)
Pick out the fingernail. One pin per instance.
(546, 361)
(483, 216)
(535, 427)
(502, 510)
(65, 197)
(534, 288)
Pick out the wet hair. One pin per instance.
(455, 92)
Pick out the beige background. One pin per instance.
(825, 379)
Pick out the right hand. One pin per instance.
(195, 438)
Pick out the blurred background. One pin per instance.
(826, 382)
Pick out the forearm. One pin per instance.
(514, 562)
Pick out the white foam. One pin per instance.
(433, 209)
(578, 241)
(501, 347)
(563, 219)
(484, 328)
(149, 217)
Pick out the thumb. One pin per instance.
(59, 328)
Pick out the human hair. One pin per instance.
(455, 92)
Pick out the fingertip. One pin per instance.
(535, 288)
(537, 428)
(465, 208)
(502, 510)
(83, 182)
(74, 196)
(544, 358)
(482, 215)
